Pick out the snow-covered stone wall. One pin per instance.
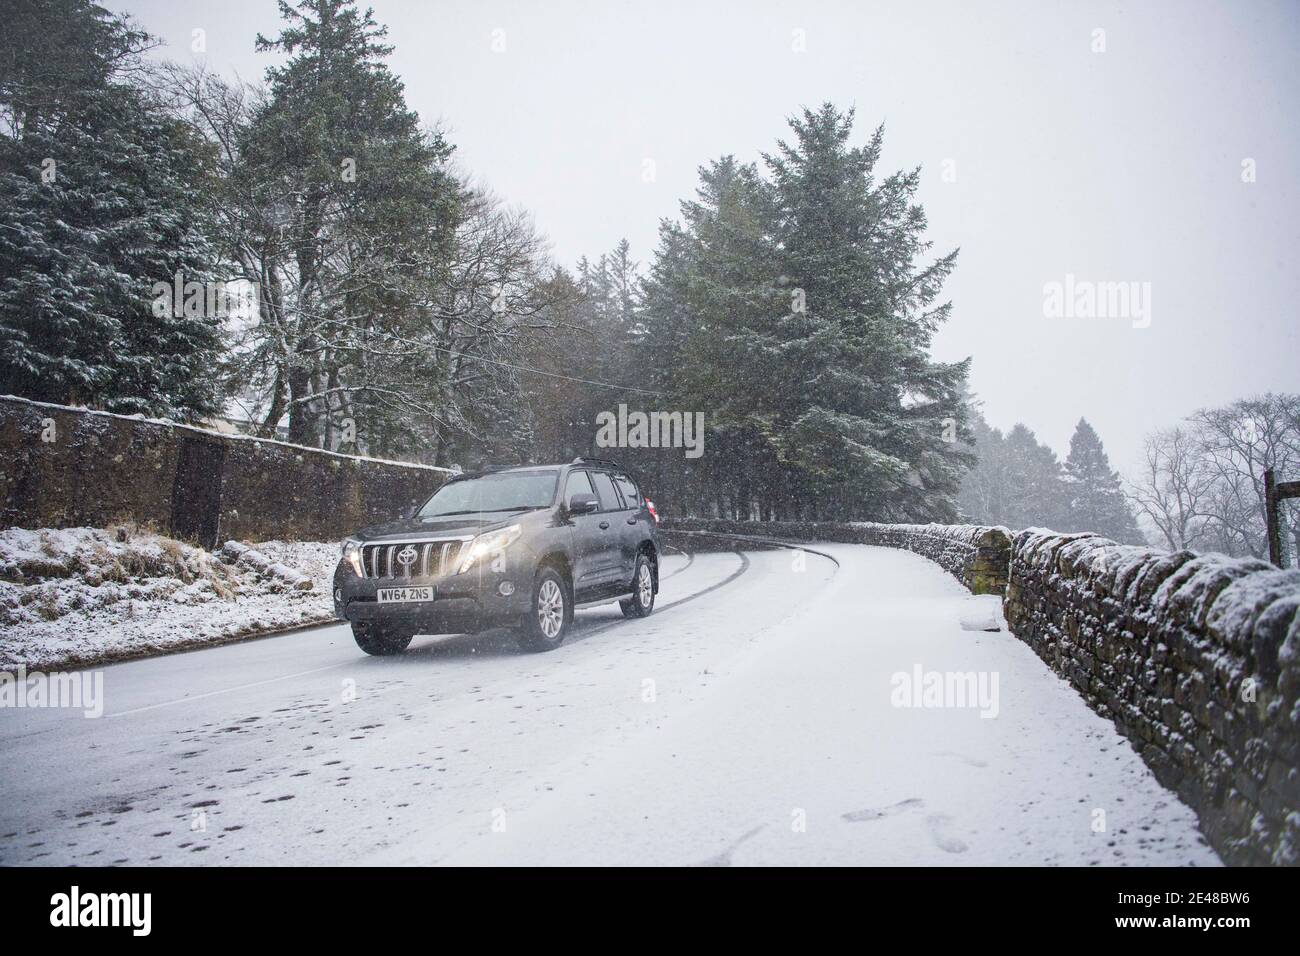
(64, 467)
(975, 556)
(1196, 658)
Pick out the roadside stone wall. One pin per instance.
(975, 556)
(1196, 658)
(66, 467)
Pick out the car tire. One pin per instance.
(547, 622)
(642, 602)
(380, 641)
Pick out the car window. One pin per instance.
(631, 497)
(503, 491)
(609, 500)
(578, 484)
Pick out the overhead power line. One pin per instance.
(510, 365)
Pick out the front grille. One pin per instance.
(432, 559)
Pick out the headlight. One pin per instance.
(352, 555)
(486, 544)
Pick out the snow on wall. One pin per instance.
(67, 467)
(1197, 660)
(975, 556)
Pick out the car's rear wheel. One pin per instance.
(379, 640)
(547, 621)
(642, 601)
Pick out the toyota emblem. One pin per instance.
(406, 557)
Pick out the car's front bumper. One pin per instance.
(462, 602)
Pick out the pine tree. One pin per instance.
(982, 498)
(101, 198)
(1035, 495)
(795, 309)
(354, 217)
(1095, 498)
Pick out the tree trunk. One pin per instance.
(276, 411)
(302, 430)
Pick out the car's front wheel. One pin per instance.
(547, 621)
(380, 641)
(642, 601)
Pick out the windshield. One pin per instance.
(507, 491)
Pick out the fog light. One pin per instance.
(338, 595)
(506, 588)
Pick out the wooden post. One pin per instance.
(1281, 492)
(1270, 518)
(1275, 491)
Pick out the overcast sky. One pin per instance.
(1117, 166)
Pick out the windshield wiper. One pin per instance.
(482, 511)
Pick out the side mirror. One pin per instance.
(583, 504)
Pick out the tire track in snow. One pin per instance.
(690, 559)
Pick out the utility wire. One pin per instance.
(498, 362)
(538, 371)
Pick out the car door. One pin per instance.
(591, 542)
(610, 527)
(632, 521)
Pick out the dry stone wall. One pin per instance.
(1196, 658)
(67, 467)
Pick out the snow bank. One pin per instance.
(80, 596)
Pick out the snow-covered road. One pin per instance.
(753, 719)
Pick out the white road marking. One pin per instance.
(230, 690)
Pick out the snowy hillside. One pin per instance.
(80, 596)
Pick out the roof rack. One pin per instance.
(584, 460)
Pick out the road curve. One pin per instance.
(753, 719)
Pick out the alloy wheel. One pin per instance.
(550, 608)
(644, 586)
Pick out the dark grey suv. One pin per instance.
(518, 546)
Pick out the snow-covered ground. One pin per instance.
(79, 596)
(760, 716)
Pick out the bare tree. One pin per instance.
(1173, 488)
(460, 351)
(395, 343)
(1203, 483)
(1237, 444)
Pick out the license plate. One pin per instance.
(405, 595)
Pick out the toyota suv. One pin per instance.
(520, 547)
